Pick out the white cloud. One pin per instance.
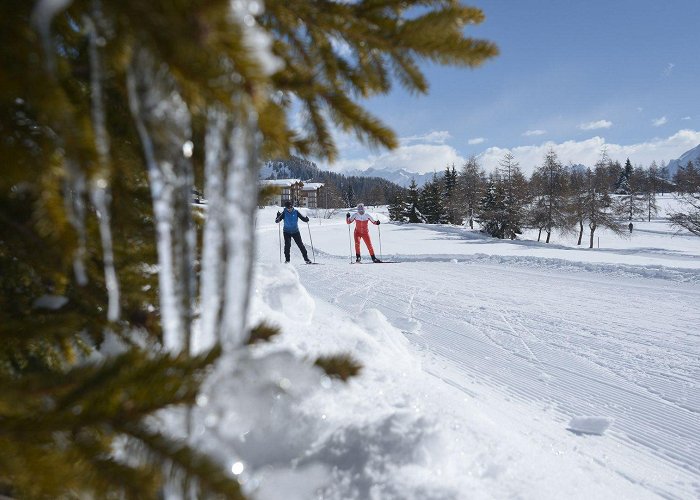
(669, 69)
(660, 121)
(595, 125)
(587, 152)
(418, 158)
(476, 140)
(531, 133)
(686, 118)
(434, 137)
(640, 109)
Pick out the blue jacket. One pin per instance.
(291, 224)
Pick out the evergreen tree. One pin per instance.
(350, 199)
(451, 196)
(432, 204)
(397, 208)
(330, 196)
(376, 196)
(492, 213)
(623, 184)
(412, 213)
(177, 93)
(471, 187)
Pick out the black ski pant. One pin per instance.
(288, 244)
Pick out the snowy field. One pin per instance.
(492, 369)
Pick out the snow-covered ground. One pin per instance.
(492, 369)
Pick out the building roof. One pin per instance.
(312, 186)
(280, 182)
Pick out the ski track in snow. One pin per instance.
(580, 339)
(622, 370)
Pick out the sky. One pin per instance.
(573, 76)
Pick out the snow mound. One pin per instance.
(375, 459)
(590, 425)
(279, 287)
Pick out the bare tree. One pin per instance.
(689, 217)
(599, 207)
(550, 186)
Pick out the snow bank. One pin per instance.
(286, 430)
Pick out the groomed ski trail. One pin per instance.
(572, 342)
(641, 374)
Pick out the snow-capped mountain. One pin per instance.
(401, 177)
(691, 155)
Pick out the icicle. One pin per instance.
(211, 290)
(74, 199)
(100, 193)
(42, 16)
(100, 197)
(241, 202)
(157, 106)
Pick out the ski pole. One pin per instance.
(350, 243)
(279, 236)
(313, 252)
(379, 228)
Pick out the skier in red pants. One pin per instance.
(361, 231)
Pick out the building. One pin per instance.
(310, 194)
(301, 195)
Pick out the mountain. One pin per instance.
(299, 168)
(401, 177)
(290, 168)
(344, 189)
(690, 155)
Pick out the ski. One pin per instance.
(382, 262)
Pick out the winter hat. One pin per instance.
(361, 208)
(288, 204)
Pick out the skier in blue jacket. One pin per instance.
(291, 230)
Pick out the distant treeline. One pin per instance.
(555, 197)
(339, 190)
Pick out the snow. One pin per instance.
(590, 425)
(491, 369)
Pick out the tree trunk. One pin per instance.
(592, 231)
(549, 234)
(539, 235)
(580, 233)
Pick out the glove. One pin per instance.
(347, 215)
(278, 214)
(379, 222)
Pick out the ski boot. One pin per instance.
(358, 259)
(375, 260)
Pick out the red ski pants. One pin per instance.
(368, 242)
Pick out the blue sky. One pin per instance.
(572, 75)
